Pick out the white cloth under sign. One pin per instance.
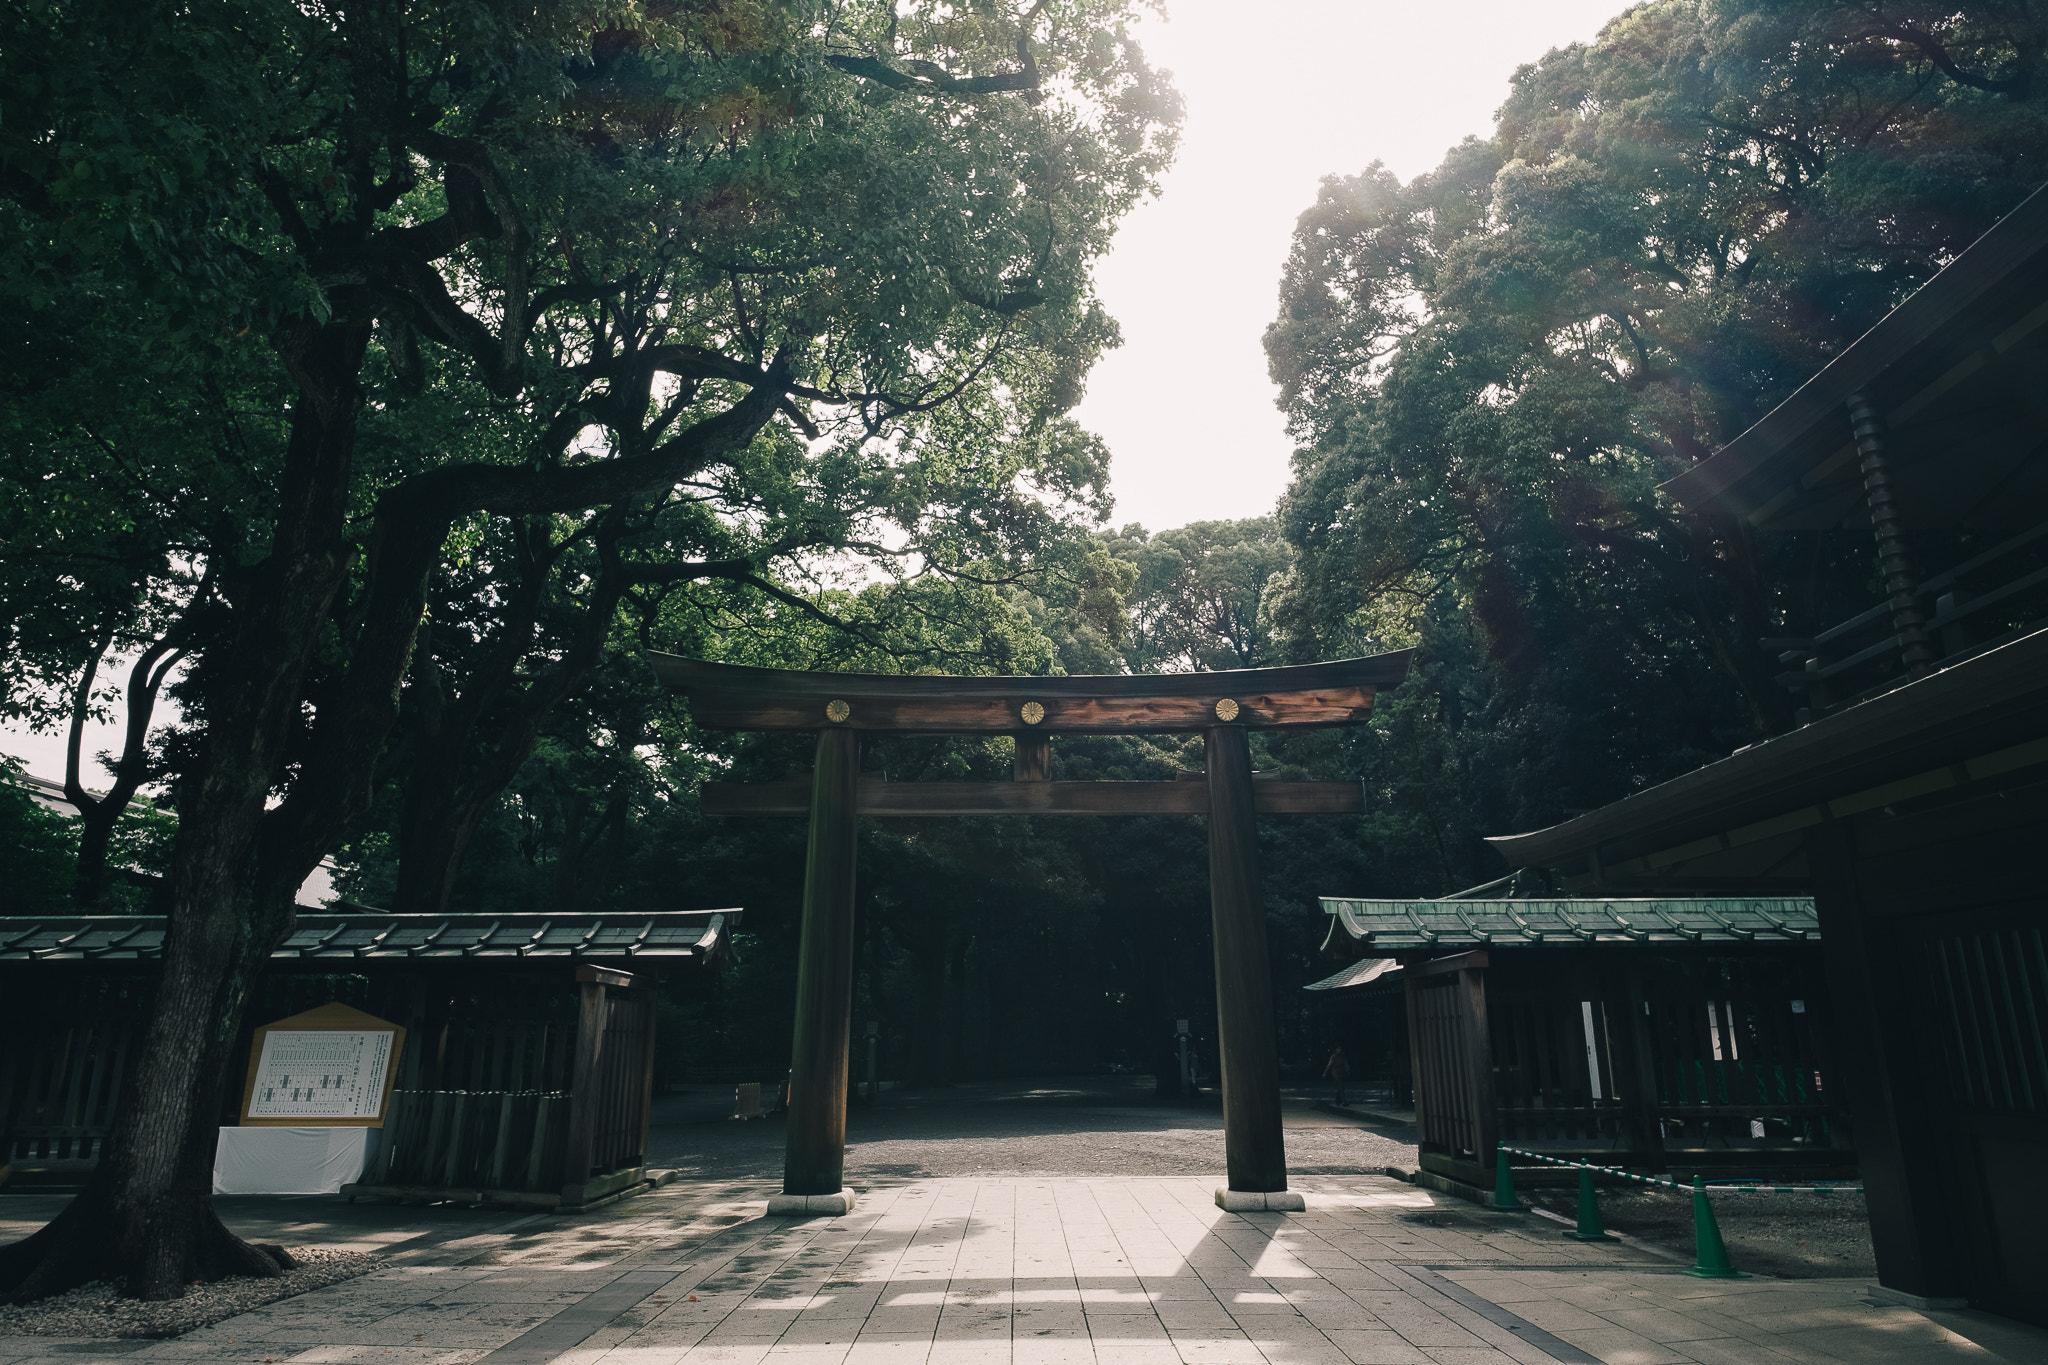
(290, 1160)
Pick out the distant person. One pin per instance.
(1336, 1069)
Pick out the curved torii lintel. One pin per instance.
(737, 697)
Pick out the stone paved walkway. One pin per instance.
(1059, 1271)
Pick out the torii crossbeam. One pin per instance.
(1222, 706)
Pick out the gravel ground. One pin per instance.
(98, 1311)
(1793, 1236)
(1094, 1126)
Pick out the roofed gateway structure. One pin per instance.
(1668, 1033)
(1222, 706)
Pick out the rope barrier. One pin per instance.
(1718, 1187)
(1710, 1253)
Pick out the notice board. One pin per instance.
(331, 1067)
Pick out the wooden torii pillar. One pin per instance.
(1223, 707)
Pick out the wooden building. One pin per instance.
(1912, 802)
(1680, 1035)
(529, 1061)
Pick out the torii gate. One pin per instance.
(1222, 705)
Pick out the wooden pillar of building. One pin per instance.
(1248, 1052)
(650, 985)
(1477, 1030)
(814, 1161)
(1637, 1068)
(1913, 1186)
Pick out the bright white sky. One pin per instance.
(1278, 95)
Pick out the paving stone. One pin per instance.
(1048, 1271)
(1376, 1347)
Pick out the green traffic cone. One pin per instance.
(1708, 1251)
(1504, 1200)
(1589, 1229)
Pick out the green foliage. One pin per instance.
(404, 353)
(37, 846)
(519, 321)
(1490, 369)
(1201, 594)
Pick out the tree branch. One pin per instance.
(929, 78)
(932, 79)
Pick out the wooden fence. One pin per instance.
(477, 1140)
(58, 1093)
(1697, 1059)
(508, 1083)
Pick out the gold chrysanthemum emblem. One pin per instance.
(1226, 709)
(836, 711)
(1032, 712)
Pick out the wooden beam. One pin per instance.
(1437, 966)
(1034, 757)
(731, 697)
(1076, 716)
(882, 799)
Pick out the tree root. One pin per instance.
(153, 1255)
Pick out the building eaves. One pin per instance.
(1965, 328)
(1992, 708)
(352, 942)
(1412, 925)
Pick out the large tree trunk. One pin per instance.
(146, 1217)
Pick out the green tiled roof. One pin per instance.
(370, 936)
(1391, 924)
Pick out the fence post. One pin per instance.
(501, 1149)
(1642, 1069)
(652, 1006)
(583, 1098)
